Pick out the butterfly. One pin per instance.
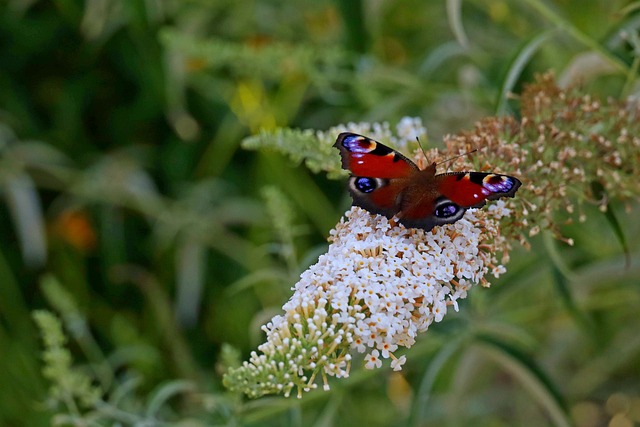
(385, 182)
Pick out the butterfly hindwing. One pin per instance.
(452, 193)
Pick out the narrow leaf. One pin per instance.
(532, 377)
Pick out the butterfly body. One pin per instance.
(385, 182)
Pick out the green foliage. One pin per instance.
(126, 195)
(270, 61)
(96, 394)
(299, 145)
(69, 387)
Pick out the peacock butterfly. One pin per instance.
(385, 182)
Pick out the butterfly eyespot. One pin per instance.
(366, 185)
(358, 144)
(446, 210)
(498, 184)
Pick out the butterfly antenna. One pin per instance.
(458, 156)
(422, 148)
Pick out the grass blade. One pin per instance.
(530, 375)
(517, 65)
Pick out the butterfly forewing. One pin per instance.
(472, 189)
(378, 172)
(368, 158)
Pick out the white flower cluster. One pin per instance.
(377, 287)
(408, 129)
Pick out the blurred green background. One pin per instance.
(130, 209)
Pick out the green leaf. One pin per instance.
(435, 367)
(600, 193)
(567, 298)
(454, 14)
(165, 392)
(530, 375)
(517, 65)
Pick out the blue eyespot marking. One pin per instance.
(366, 185)
(446, 210)
(498, 184)
(357, 144)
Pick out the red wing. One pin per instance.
(365, 157)
(470, 189)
